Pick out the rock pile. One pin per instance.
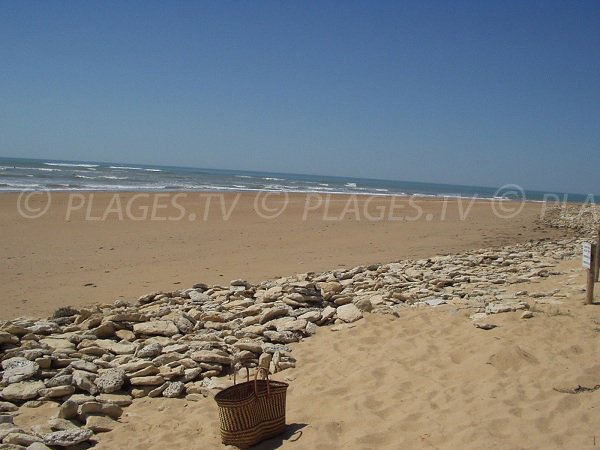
(583, 219)
(94, 361)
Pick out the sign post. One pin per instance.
(588, 261)
(597, 256)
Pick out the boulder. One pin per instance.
(156, 328)
(68, 438)
(24, 390)
(349, 313)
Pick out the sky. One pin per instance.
(461, 92)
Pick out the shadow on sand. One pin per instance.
(292, 433)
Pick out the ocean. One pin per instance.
(19, 174)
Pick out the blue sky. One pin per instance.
(480, 93)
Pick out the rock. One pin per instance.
(211, 357)
(150, 350)
(156, 328)
(265, 360)
(23, 390)
(7, 338)
(364, 304)
(485, 326)
(84, 365)
(105, 330)
(125, 335)
(284, 337)
(6, 418)
(97, 408)
(254, 346)
(349, 313)
(152, 380)
(328, 289)
(100, 424)
(526, 315)
(184, 325)
(38, 446)
(8, 407)
(58, 345)
(83, 381)
(68, 438)
(174, 389)
(58, 391)
(120, 348)
(18, 369)
(7, 428)
(273, 313)
(68, 410)
(57, 424)
(117, 399)
(20, 439)
(110, 380)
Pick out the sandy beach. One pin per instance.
(428, 379)
(88, 248)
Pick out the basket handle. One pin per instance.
(247, 375)
(261, 369)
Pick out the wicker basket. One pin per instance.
(252, 411)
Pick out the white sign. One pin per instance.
(587, 255)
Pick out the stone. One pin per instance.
(254, 346)
(8, 407)
(6, 418)
(18, 369)
(125, 335)
(328, 289)
(84, 365)
(20, 439)
(273, 313)
(264, 360)
(38, 446)
(58, 345)
(118, 348)
(57, 424)
(58, 391)
(68, 410)
(349, 313)
(100, 424)
(526, 315)
(117, 399)
(83, 380)
(7, 338)
(7, 428)
(98, 408)
(105, 330)
(211, 357)
(173, 389)
(110, 380)
(147, 381)
(184, 325)
(24, 390)
(484, 326)
(150, 350)
(68, 438)
(156, 328)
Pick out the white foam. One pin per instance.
(71, 165)
(352, 185)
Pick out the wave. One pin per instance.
(243, 176)
(273, 179)
(134, 168)
(71, 165)
(101, 177)
(351, 185)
